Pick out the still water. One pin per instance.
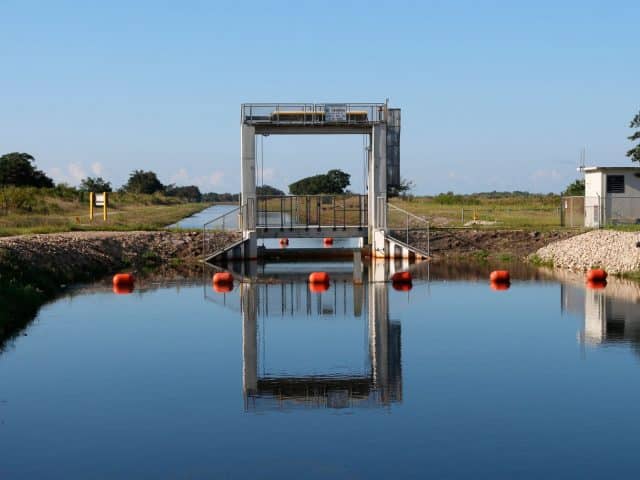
(198, 219)
(448, 380)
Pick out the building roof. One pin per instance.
(611, 169)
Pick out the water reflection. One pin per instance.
(346, 352)
(379, 384)
(610, 315)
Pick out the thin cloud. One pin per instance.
(73, 174)
(96, 168)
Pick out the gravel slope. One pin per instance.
(614, 251)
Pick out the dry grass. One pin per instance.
(52, 212)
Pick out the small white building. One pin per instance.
(611, 195)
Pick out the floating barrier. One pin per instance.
(221, 278)
(402, 286)
(123, 279)
(224, 287)
(596, 284)
(328, 241)
(123, 288)
(284, 242)
(500, 276)
(318, 287)
(319, 278)
(596, 275)
(498, 286)
(222, 282)
(401, 277)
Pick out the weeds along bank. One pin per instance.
(43, 210)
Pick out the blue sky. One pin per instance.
(494, 95)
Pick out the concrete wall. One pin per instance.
(592, 184)
(607, 208)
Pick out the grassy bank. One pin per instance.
(507, 211)
(30, 210)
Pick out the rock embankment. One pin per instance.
(461, 243)
(48, 260)
(35, 268)
(614, 251)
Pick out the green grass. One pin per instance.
(30, 210)
(635, 275)
(530, 211)
(539, 262)
(624, 227)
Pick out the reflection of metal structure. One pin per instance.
(380, 383)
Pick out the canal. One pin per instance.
(449, 379)
(199, 219)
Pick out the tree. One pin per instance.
(221, 197)
(18, 169)
(575, 189)
(401, 190)
(143, 182)
(333, 182)
(269, 190)
(190, 193)
(95, 184)
(634, 153)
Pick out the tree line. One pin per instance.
(19, 170)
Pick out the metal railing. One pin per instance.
(401, 223)
(311, 211)
(313, 113)
(230, 221)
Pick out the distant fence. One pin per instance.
(595, 212)
(572, 211)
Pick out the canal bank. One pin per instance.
(49, 262)
(37, 268)
(615, 251)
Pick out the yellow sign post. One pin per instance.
(98, 200)
(91, 200)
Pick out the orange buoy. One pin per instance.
(123, 288)
(222, 278)
(224, 287)
(596, 284)
(597, 275)
(123, 279)
(500, 276)
(328, 241)
(402, 286)
(317, 287)
(284, 242)
(319, 277)
(500, 285)
(401, 277)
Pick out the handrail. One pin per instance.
(409, 214)
(221, 216)
(416, 217)
(311, 211)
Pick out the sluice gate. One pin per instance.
(317, 216)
